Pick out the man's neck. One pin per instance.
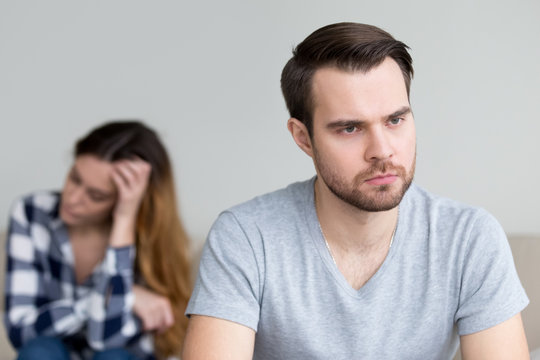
(351, 230)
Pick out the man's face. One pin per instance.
(363, 138)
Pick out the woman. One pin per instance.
(101, 270)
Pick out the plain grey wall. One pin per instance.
(205, 75)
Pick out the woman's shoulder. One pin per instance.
(36, 206)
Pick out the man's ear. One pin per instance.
(300, 135)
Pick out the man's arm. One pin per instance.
(503, 341)
(209, 338)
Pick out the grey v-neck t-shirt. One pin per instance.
(265, 265)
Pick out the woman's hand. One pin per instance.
(131, 179)
(154, 310)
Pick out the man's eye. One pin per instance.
(349, 129)
(395, 121)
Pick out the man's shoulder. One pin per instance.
(422, 203)
(287, 199)
(422, 197)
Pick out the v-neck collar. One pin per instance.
(60, 235)
(319, 242)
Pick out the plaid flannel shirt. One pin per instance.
(42, 297)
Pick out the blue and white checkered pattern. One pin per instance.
(43, 297)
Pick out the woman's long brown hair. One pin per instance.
(162, 259)
(161, 241)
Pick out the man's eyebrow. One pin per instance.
(343, 123)
(402, 111)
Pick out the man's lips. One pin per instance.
(382, 179)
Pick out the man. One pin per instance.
(355, 263)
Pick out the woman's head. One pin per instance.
(89, 193)
(124, 140)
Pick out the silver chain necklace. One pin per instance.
(328, 245)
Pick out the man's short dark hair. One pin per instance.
(346, 46)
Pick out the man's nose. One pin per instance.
(379, 145)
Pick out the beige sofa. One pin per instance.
(526, 250)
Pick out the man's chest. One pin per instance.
(309, 310)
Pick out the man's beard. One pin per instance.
(380, 198)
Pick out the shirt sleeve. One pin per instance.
(491, 291)
(229, 283)
(29, 312)
(111, 321)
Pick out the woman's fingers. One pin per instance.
(119, 178)
(132, 172)
(131, 179)
(167, 319)
(154, 310)
(162, 313)
(160, 319)
(137, 169)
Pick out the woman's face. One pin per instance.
(89, 194)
